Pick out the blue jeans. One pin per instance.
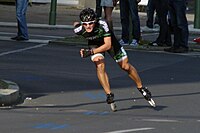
(21, 8)
(177, 10)
(151, 8)
(129, 9)
(164, 36)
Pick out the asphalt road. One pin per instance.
(64, 95)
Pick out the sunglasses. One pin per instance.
(89, 22)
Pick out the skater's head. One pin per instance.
(88, 19)
(87, 15)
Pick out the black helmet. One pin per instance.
(87, 15)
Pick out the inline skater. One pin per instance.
(100, 40)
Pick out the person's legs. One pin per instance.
(182, 24)
(150, 14)
(173, 21)
(108, 16)
(162, 10)
(21, 7)
(124, 16)
(133, 7)
(132, 72)
(98, 8)
(101, 73)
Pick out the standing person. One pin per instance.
(129, 8)
(101, 39)
(164, 37)
(108, 6)
(21, 8)
(150, 23)
(177, 10)
(98, 8)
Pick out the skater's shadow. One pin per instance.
(157, 108)
(51, 106)
(135, 107)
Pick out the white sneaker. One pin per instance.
(121, 42)
(134, 43)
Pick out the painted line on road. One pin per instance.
(160, 120)
(51, 126)
(21, 50)
(94, 96)
(131, 130)
(96, 113)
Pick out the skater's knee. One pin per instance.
(125, 67)
(100, 67)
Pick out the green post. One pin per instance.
(52, 13)
(197, 14)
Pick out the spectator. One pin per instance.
(129, 8)
(177, 10)
(108, 6)
(164, 37)
(98, 8)
(150, 15)
(21, 8)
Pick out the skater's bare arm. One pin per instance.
(106, 46)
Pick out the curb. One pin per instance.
(191, 28)
(193, 47)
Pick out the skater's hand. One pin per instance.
(86, 52)
(76, 23)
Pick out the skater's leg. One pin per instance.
(145, 92)
(132, 72)
(104, 81)
(101, 74)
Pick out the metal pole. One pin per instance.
(197, 14)
(52, 13)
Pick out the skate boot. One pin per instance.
(147, 95)
(110, 100)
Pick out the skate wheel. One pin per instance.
(113, 107)
(152, 103)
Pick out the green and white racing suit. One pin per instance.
(96, 39)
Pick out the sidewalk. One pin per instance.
(38, 17)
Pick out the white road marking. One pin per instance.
(21, 50)
(160, 120)
(131, 130)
